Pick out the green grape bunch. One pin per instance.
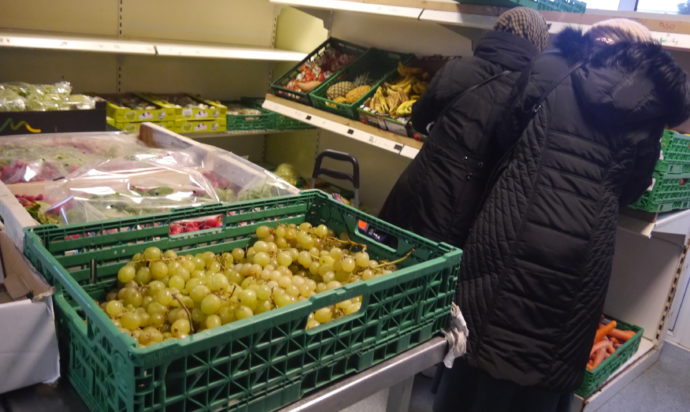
(163, 295)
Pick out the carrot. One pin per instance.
(597, 347)
(599, 357)
(621, 335)
(604, 330)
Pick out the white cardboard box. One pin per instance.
(28, 344)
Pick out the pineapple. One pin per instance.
(356, 93)
(339, 89)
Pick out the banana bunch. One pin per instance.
(396, 99)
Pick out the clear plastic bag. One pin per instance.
(121, 188)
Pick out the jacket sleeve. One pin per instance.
(648, 151)
(431, 103)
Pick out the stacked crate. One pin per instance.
(669, 189)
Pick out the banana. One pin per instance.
(405, 108)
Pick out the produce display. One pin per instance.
(132, 101)
(241, 109)
(349, 91)
(319, 68)
(20, 96)
(163, 295)
(395, 99)
(607, 340)
(44, 157)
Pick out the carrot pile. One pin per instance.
(607, 339)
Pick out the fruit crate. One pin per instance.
(279, 86)
(571, 6)
(263, 120)
(675, 153)
(668, 191)
(200, 109)
(124, 114)
(200, 126)
(256, 364)
(378, 64)
(594, 379)
(280, 122)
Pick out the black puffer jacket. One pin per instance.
(537, 262)
(438, 194)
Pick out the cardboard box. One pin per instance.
(202, 109)
(53, 121)
(124, 114)
(28, 347)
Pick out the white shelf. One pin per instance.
(232, 133)
(352, 129)
(143, 47)
(672, 31)
(644, 223)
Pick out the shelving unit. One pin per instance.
(404, 146)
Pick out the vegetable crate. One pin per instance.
(264, 120)
(256, 364)
(571, 6)
(187, 107)
(377, 64)
(123, 114)
(594, 379)
(279, 121)
(329, 46)
(668, 191)
(675, 153)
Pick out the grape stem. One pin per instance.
(396, 261)
(189, 315)
(349, 242)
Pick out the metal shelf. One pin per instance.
(353, 129)
(232, 133)
(143, 47)
(672, 31)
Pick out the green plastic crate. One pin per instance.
(594, 379)
(280, 122)
(265, 120)
(669, 190)
(257, 364)
(571, 6)
(675, 149)
(652, 206)
(278, 86)
(377, 63)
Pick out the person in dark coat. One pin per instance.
(537, 262)
(437, 195)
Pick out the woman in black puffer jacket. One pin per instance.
(437, 196)
(538, 260)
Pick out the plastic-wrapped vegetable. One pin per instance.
(20, 96)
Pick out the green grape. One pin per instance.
(243, 312)
(247, 282)
(155, 307)
(362, 259)
(152, 253)
(260, 246)
(248, 298)
(261, 258)
(263, 306)
(146, 300)
(127, 273)
(132, 297)
(114, 308)
(143, 275)
(336, 253)
(343, 277)
(199, 292)
(312, 323)
(291, 233)
(198, 273)
(143, 317)
(304, 240)
(213, 267)
(282, 243)
(255, 270)
(164, 297)
(191, 283)
(282, 299)
(305, 226)
(233, 276)
(210, 304)
(198, 316)
(347, 264)
(238, 254)
(323, 315)
(304, 259)
(199, 263)
(321, 231)
(188, 264)
(284, 258)
(213, 321)
(227, 314)
(328, 276)
(157, 319)
(292, 290)
(137, 257)
(180, 328)
(130, 320)
(327, 260)
(218, 282)
(334, 284)
(159, 270)
(170, 254)
(263, 292)
(176, 282)
(208, 256)
(305, 291)
(321, 287)
(367, 274)
(271, 248)
(175, 314)
(280, 231)
(263, 231)
(315, 268)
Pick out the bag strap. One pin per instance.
(465, 92)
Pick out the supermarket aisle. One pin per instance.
(663, 387)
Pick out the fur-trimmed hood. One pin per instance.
(628, 82)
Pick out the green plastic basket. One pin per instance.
(256, 364)
(278, 86)
(377, 63)
(280, 122)
(675, 153)
(594, 379)
(262, 121)
(669, 190)
(571, 6)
